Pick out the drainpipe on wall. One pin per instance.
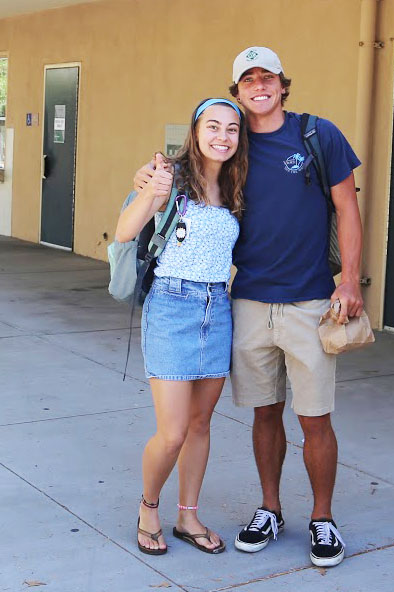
(364, 96)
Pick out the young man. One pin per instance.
(282, 287)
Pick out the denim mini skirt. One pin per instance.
(186, 330)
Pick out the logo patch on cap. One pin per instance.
(251, 55)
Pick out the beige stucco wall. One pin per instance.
(145, 63)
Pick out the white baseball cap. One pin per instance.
(256, 57)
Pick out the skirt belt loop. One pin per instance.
(175, 285)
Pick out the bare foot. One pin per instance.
(188, 522)
(149, 521)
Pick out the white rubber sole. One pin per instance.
(252, 547)
(328, 561)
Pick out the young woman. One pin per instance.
(186, 319)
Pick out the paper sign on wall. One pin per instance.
(59, 124)
(175, 137)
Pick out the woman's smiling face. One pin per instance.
(218, 132)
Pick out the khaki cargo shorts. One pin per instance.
(272, 340)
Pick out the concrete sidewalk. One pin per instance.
(72, 434)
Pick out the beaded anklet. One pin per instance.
(148, 504)
(180, 507)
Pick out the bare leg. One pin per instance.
(172, 405)
(269, 443)
(193, 458)
(320, 457)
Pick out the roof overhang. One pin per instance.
(17, 7)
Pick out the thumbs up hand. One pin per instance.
(159, 187)
(144, 175)
(160, 161)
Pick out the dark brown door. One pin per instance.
(59, 150)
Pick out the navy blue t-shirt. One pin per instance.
(282, 251)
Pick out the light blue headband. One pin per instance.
(210, 102)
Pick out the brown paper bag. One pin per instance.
(336, 338)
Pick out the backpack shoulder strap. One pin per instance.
(165, 226)
(311, 141)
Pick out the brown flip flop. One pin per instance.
(154, 536)
(191, 539)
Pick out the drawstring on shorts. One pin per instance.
(270, 323)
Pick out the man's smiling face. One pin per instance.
(260, 92)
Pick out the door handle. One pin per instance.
(43, 166)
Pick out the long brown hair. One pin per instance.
(189, 169)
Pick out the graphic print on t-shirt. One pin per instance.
(294, 163)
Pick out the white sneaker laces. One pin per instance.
(260, 518)
(324, 530)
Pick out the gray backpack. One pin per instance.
(132, 263)
(312, 145)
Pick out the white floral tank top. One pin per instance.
(205, 255)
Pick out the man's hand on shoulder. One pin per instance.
(349, 294)
(159, 186)
(144, 175)
(148, 172)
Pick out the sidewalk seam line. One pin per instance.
(4, 425)
(90, 331)
(83, 356)
(110, 539)
(364, 378)
(298, 569)
(62, 332)
(343, 464)
(53, 271)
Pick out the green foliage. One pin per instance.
(3, 85)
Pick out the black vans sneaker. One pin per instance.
(256, 535)
(327, 546)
